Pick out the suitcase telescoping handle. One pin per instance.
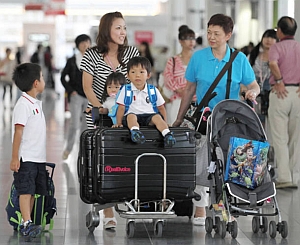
(164, 174)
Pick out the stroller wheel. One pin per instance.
(234, 229)
(222, 231)
(208, 224)
(264, 227)
(217, 224)
(284, 229)
(255, 224)
(272, 229)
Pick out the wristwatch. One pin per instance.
(278, 80)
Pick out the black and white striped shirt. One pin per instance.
(94, 64)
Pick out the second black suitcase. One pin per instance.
(115, 162)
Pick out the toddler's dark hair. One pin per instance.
(114, 77)
(139, 60)
(25, 74)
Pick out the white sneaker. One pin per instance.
(199, 221)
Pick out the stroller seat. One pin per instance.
(258, 195)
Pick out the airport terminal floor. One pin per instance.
(70, 221)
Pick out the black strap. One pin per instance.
(209, 95)
(228, 80)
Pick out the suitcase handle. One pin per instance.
(164, 175)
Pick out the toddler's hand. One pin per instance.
(117, 126)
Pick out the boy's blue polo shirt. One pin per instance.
(203, 68)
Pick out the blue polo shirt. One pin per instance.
(203, 68)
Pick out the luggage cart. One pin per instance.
(162, 208)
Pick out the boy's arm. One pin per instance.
(163, 112)
(15, 161)
(120, 115)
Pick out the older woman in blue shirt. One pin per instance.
(202, 70)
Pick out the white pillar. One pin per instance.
(178, 18)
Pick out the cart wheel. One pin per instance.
(284, 229)
(255, 224)
(234, 229)
(158, 229)
(208, 224)
(130, 229)
(92, 220)
(222, 229)
(264, 228)
(217, 225)
(272, 229)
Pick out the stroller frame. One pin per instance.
(224, 200)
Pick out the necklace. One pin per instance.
(110, 63)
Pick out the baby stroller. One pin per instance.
(233, 118)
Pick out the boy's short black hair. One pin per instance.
(139, 60)
(25, 74)
(81, 38)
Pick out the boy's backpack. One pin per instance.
(44, 206)
(128, 100)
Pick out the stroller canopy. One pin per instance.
(234, 118)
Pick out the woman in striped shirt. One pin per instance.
(110, 54)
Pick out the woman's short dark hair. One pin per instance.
(287, 25)
(139, 60)
(222, 20)
(185, 32)
(104, 37)
(25, 75)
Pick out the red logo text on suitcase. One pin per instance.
(111, 169)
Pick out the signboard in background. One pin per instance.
(140, 36)
(55, 7)
(50, 7)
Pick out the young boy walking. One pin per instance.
(142, 111)
(28, 160)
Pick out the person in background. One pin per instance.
(160, 61)
(48, 59)
(284, 109)
(28, 161)
(199, 43)
(19, 54)
(202, 69)
(76, 96)
(248, 48)
(259, 60)
(174, 79)
(7, 66)
(110, 54)
(145, 51)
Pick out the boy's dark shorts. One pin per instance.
(31, 178)
(142, 119)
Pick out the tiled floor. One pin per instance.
(70, 227)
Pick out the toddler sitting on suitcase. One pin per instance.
(113, 83)
(141, 103)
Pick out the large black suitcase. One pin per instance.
(115, 158)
